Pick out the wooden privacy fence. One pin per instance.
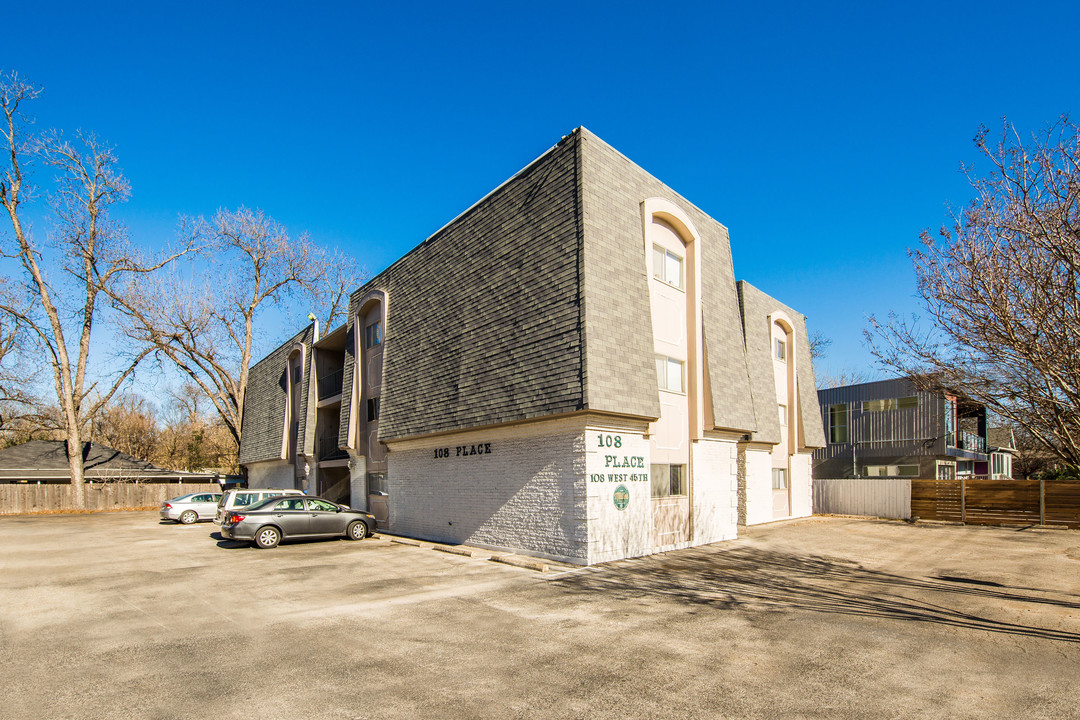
(99, 496)
(998, 502)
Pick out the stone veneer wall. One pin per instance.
(523, 489)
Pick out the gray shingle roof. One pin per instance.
(756, 308)
(48, 459)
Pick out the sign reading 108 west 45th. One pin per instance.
(631, 468)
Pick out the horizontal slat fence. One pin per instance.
(874, 497)
(15, 499)
(1001, 502)
(936, 500)
(1063, 502)
(997, 502)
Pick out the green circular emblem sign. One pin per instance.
(622, 497)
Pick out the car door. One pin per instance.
(291, 516)
(326, 519)
(205, 504)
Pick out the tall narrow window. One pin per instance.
(372, 409)
(783, 415)
(373, 335)
(781, 351)
(779, 479)
(838, 424)
(950, 422)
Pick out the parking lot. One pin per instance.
(114, 615)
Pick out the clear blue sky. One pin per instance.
(825, 136)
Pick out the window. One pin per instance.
(668, 480)
(296, 375)
(321, 505)
(373, 335)
(376, 483)
(783, 415)
(890, 404)
(891, 470)
(669, 374)
(779, 479)
(781, 350)
(838, 423)
(950, 422)
(667, 267)
(372, 409)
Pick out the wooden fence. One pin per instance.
(875, 497)
(997, 502)
(16, 499)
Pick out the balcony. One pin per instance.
(329, 450)
(966, 441)
(330, 385)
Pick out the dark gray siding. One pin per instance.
(483, 322)
(619, 351)
(265, 402)
(756, 308)
(887, 437)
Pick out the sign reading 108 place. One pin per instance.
(619, 467)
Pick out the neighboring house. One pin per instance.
(891, 428)
(567, 369)
(46, 461)
(1001, 447)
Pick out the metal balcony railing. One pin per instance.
(329, 450)
(330, 385)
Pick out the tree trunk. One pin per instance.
(77, 471)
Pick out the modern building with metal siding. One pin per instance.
(893, 428)
(561, 370)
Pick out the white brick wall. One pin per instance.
(616, 459)
(527, 493)
(549, 489)
(716, 491)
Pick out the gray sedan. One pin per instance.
(267, 523)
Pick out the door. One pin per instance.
(325, 519)
(291, 516)
(781, 493)
(379, 498)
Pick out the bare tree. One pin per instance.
(1000, 288)
(841, 378)
(210, 334)
(67, 279)
(819, 345)
(130, 425)
(819, 349)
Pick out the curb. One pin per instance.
(521, 561)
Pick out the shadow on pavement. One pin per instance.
(757, 579)
(223, 542)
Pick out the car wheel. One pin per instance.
(188, 517)
(267, 538)
(357, 530)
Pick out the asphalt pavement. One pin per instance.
(116, 615)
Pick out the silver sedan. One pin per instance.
(267, 523)
(190, 508)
